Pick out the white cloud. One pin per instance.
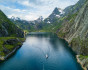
(33, 8)
(24, 14)
(26, 3)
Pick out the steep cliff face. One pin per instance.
(74, 8)
(7, 28)
(76, 33)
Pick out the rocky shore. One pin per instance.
(83, 61)
(10, 46)
(8, 55)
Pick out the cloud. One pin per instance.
(25, 3)
(24, 14)
(32, 9)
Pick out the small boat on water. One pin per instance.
(46, 56)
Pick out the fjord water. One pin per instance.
(32, 55)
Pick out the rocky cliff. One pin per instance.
(9, 45)
(11, 37)
(75, 31)
(74, 8)
(56, 14)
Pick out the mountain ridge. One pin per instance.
(7, 28)
(75, 32)
(11, 37)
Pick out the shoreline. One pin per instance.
(80, 62)
(77, 56)
(3, 58)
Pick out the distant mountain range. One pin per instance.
(27, 25)
(49, 23)
(57, 13)
(39, 23)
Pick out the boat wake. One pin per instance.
(46, 54)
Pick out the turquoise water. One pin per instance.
(32, 55)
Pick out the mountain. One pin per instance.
(11, 37)
(74, 30)
(57, 13)
(40, 23)
(7, 28)
(39, 20)
(74, 8)
(15, 18)
(76, 27)
(23, 24)
(27, 25)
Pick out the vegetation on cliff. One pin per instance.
(10, 36)
(7, 44)
(76, 32)
(7, 28)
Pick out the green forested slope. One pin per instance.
(7, 28)
(11, 36)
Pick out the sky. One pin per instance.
(32, 9)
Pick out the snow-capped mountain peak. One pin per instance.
(15, 18)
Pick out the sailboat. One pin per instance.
(46, 56)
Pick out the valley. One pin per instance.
(70, 24)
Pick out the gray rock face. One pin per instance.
(76, 33)
(57, 13)
(80, 26)
(74, 8)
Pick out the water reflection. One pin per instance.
(32, 55)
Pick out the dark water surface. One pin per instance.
(31, 56)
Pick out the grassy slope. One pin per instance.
(7, 25)
(13, 33)
(9, 47)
